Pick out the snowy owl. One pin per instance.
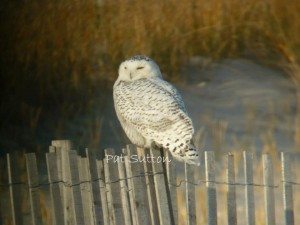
(151, 111)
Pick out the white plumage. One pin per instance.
(151, 110)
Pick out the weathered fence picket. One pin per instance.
(160, 190)
(73, 182)
(85, 189)
(131, 190)
(137, 186)
(231, 199)
(124, 193)
(55, 192)
(190, 194)
(269, 189)
(287, 189)
(133, 202)
(172, 182)
(95, 188)
(33, 185)
(113, 188)
(249, 192)
(62, 148)
(211, 194)
(153, 209)
(101, 183)
(14, 191)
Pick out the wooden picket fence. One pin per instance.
(123, 190)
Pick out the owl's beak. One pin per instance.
(130, 76)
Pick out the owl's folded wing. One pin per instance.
(153, 108)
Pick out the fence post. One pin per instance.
(231, 198)
(153, 210)
(211, 189)
(287, 189)
(161, 189)
(137, 185)
(190, 194)
(248, 173)
(14, 191)
(269, 189)
(55, 192)
(33, 185)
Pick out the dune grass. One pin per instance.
(70, 41)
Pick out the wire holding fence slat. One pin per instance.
(198, 182)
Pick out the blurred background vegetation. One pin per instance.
(57, 55)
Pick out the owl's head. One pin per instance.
(138, 67)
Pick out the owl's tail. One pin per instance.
(189, 154)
